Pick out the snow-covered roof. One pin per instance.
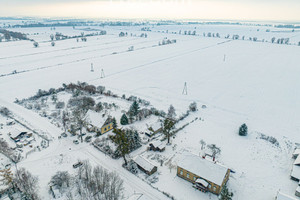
(17, 131)
(202, 181)
(156, 126)
(208, 170)
(282, 196)
(296, 152)
(158, 144)
(297, 161)
(95, 118)
(144, 163)
(296, 172)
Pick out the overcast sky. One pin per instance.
(156, 9)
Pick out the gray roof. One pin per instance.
(203, 168)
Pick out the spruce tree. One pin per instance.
(124, 120)
(243, 130)
(134, 109)
(225, 194)
(114, 122)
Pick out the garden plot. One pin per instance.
(18, 141)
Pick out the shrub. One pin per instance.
(243, 130)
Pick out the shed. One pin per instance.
(157, 146)
(154, 128)
(297, 161)
(145, 165)
(296, 153)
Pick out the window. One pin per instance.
(104, 129)
(195, 178)
(209, 186)
(215, 188)
(187, 175)
(181, 172)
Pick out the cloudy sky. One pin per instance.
(156, 9)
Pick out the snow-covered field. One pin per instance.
(240, 81)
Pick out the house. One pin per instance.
(97, 123)
(282, 196)
(145, 165)
(154, 128)
(157, 146)
(17, 134)
(204, 174)
(107, 126)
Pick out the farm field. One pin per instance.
(232, 81)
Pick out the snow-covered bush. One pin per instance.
(243, 131)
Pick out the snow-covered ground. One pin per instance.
(256, 83)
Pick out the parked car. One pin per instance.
(88, 138)
(64, 135)
(76, 165)
(75, 141)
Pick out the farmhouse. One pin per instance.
(206, 175)
(98, 124)
(107, 126)
(282, 196)
(145, 165)
(157, 146)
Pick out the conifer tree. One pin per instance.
(243, 130)
(225, 194)
(124, 120)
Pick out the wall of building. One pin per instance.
(189, 176)
(106, 128)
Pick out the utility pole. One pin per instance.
(224, 57)
(92, 67)
(102, 73)
(184, 91)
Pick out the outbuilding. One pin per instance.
(145, 165)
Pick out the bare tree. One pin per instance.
(61, 179)
(27, 184)
(215, 150)
(203, 143)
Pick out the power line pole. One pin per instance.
(184, 91)
(224, 57)
(92, 67)
(102, 73)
